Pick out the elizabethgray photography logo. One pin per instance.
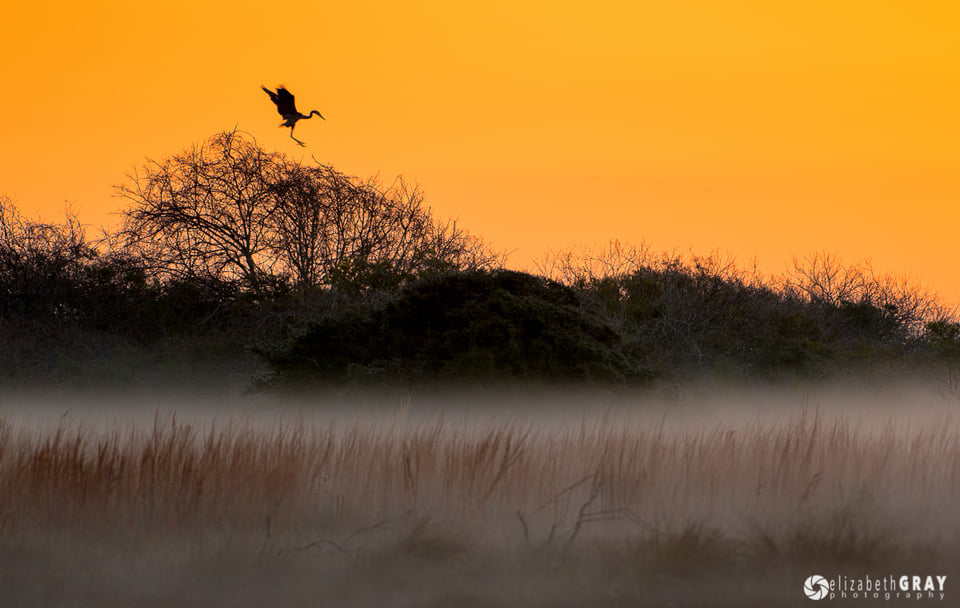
(889, 587)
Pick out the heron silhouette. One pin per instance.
(285, 106)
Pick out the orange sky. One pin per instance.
(759, 128)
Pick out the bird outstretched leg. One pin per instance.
(295, 139)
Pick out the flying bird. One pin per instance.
(285, 106)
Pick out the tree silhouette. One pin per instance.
(204, 213)
(335, 229)
(229, 213)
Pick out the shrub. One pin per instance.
(460, 326)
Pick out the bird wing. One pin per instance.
(273, 96)
(284, 102)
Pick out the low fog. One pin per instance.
(711, 494)
(902, 404)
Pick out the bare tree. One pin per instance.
(332, 226)
(328, 221)
(823, 277)
(229, 212)
(45, 266)
(21, 237)
(206, 213)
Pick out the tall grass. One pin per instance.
(802, 491)
(771, 474)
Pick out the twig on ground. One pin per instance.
(582, 515)
(342, 545)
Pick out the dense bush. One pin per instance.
(703, 315)
(229, 250)
(78, 310)
(499, 325)
(688, 320)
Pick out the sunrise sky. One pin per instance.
(757, 128)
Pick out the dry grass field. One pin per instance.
(728, 500)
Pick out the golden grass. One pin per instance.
(602, 501)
